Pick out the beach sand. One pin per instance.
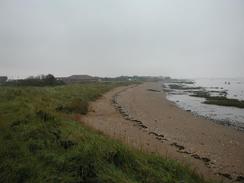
(141, 116)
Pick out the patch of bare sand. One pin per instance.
(141, 116)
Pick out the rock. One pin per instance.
(240, 178)
(153, 90)
(226, 175)
(196, 156)
(206, 159)
(177, 146)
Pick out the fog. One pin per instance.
(122, 37)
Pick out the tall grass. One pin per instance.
(40, 143)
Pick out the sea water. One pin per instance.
(233, 88)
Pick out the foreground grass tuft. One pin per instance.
(40, 142)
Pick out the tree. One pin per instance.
(50, 79)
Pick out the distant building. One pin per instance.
(79, 79)
(3, 79)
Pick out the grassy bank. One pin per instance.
(41, 143)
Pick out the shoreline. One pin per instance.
(221, 101)
(225, 123)
(145, 119)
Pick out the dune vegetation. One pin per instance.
(42, 142)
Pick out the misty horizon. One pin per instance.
(190, 39)
(15, 77)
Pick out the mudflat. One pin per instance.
(141, 116)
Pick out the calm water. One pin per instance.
(226, 115)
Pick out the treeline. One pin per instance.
(50, 80)
(42, 80)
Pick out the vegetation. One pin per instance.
(48, 80)
(41, 143)
(219, 100)
(3, 79)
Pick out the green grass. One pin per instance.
(40, 143)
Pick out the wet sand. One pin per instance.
(142, 117)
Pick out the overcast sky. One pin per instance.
(190, 38)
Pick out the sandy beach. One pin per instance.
(141, 116)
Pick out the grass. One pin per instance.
(41, 143)
(219, 100)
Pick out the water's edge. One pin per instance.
(228, 116)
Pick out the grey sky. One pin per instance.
(190, 38)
